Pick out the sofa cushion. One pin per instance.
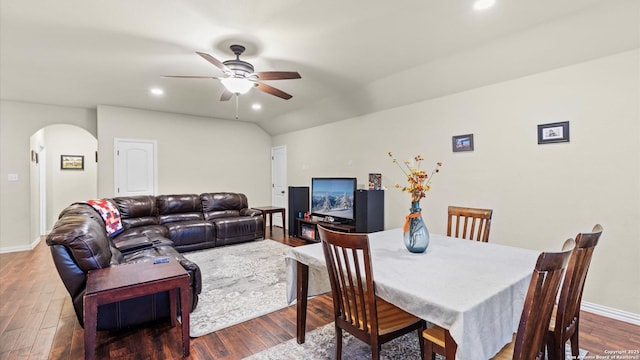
(238, 229)
(170, 218)
(128, 244)
(222, 204)
(185, 207)
(191, 232)
(136, 211)
(212, 215)
(147, 230)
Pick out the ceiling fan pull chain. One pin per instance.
(237, 106)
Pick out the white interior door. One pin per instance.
(279, 179)
(135, 167)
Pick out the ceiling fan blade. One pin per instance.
(226, 95)
(278, 75)
(217, 63)
(273, 91)
(189, 77)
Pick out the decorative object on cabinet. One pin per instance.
(375, 181)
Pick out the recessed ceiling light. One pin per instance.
(483, 4)
(156, 91)
(256, 106)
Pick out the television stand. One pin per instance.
(308, 229)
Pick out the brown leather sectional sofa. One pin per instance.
(154, 226)
(192, 222)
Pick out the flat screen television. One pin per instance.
(333, 197)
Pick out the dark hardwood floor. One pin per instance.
(37, 322)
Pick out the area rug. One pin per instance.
(320, 343)
(239, 282)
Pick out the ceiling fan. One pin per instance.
(241, 77)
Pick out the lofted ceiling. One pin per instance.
(355, 57)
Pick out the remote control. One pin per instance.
(161, 260)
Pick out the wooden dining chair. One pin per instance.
(529, 340)
(356, 307)
(566, 317)
(469, 223)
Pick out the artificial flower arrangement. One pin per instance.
(418, 179)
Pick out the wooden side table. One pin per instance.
(269, 210)
(128, 281)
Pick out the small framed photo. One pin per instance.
(553, 132)
(375, 181)
(462, 143)
(72, 162)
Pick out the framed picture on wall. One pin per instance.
(462, 143)
(72, 162)
(553, 132)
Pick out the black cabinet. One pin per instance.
(369, 211)
(298, 203)
(308, 228)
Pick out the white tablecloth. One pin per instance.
(474, 289)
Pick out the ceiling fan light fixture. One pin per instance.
(237, 85)
(240, 76)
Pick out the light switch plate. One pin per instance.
(12, 177)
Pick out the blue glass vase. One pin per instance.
(416, 235)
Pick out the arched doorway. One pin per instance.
(52, 187)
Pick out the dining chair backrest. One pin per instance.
(538, 305)
(469, 223)
(348, 260)
(356, 307)
(568, 312)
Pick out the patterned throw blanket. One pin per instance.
(110, 215)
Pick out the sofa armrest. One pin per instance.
(250, 212)
(192, 268)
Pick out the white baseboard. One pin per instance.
(10, 249)
(621, 315)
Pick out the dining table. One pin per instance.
(473, 289)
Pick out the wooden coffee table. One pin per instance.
(270, 210)
(128, 281)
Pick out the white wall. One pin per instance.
(37, 145)
(18, 121)
(64, 187)
(541, 194)
(195, 154)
